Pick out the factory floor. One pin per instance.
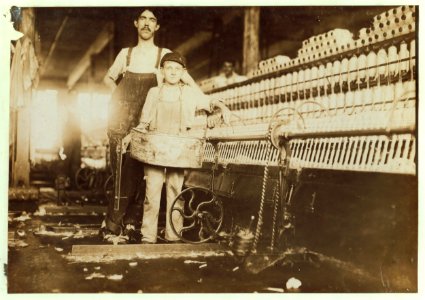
(39, 262)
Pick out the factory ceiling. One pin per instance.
(77, 45)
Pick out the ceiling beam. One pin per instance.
(102, 39)
(53, 45)
(202, 37)
(194, 42)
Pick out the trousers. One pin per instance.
(132, 193)
(155, 177)
(124, 113)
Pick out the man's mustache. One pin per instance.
(146, 28)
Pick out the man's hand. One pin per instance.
(142, 127)
(125, 142)
(187, 79)
(159, 78)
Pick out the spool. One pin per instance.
(301, 75)
(392, 61)
(377, 97)
(363, 33)
(361, 65)
(352, 68)
(314, 75)
(321, 75)
(382, 60)
(307, 78)
(336, 70)
(371, 63)
(344, 69)
(328, 73)
(367, 96)
(403, 56)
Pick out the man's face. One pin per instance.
(172, 72)
(146, 25)
(228, 69)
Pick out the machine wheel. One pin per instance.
(84, 178)
(202, 214)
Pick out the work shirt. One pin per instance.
(161, 106)
(146, 64)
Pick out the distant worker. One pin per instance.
(228, 75)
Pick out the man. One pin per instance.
(228, 75)
(138, 67)
(170, 109)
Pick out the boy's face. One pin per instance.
(172, 72)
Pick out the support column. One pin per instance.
(251, 47)
(21, 164)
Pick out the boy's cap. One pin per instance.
(173, 56)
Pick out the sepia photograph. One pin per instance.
(215, 149)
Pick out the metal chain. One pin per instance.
(275, 209)
(263, 196)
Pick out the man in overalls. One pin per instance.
(138, 66)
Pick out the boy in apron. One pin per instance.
(169, 109)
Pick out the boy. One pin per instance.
(169, 109)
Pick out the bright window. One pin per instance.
(45, 126)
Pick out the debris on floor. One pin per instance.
(133, 264)
(115, 277)
(21, 233)
(40, 212)
(116, 239)
(23, 217)
(17, 244)
(293, 284)
(95, 275)
(188, 261)
(273, 289)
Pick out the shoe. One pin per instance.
(147, 242)
(109, 236)
(104, 233)
(173, 242)
(134, 236)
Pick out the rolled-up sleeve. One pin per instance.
(149, 106)
(203, 102)
(118, 66)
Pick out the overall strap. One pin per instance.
(156, 107)
(181, 109)
(127, 61)
(158, 58)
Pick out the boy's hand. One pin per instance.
(226, 114)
